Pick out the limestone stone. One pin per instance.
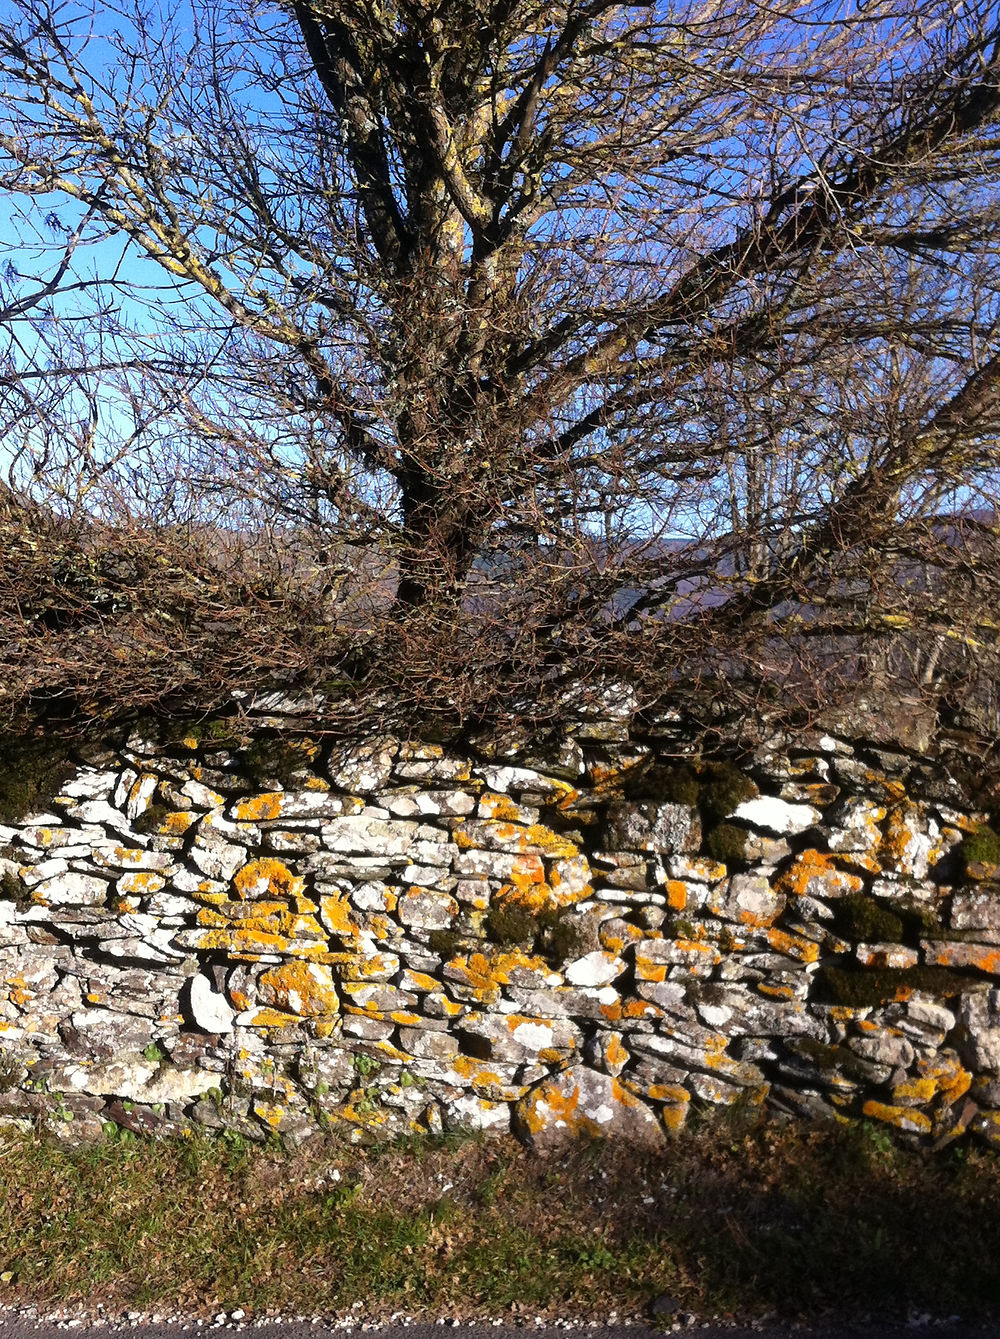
(428, 1045)
(884, 1046)
(975, 909)
(648, 826)
(210, 1009)
(426, 909)
(747, 899)
(515, 1038)
(778, 816)
(979, 1014)
(581, 1101)
(598, 968)
(362, 834)
(470, 1113)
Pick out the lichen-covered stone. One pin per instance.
(580, 1101)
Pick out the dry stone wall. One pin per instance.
(394, 937)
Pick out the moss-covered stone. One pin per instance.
(32, 768)
(723, 789)
(982, 846)
(863, 920)
(273, 758)
(664, 784)
(860, 988)
(447, 943)
(511, 923)
(152, 818)
(12, 889)
(727, 843)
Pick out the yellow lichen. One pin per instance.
(260, 807)
(267, 877)
(903, 1118)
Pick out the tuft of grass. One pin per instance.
(739, 1216)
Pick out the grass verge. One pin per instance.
(744, 1220)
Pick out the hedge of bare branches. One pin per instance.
(469, 359)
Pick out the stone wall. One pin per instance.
(285, 937)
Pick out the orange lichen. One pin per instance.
(306, 989)
(177, 823)
(913, 1090)
(794, 946)
(676, 891)
(141, 881)
(489, 973)
(496, 806)
(775, 992)
(903, 1118)
(259, 807)
(622, 1009)
(267, 877)
(338, 915)
(956, 954)
(816, 873)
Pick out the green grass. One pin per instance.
(733, 1218)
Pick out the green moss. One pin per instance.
(982, 847)
(12, 889)
(665, 785)
(508, 923)
(33, 766)
(862, 919)
(679, 928)
(724, 788)
(274, 759)
(860, 988)
(446, 943)
(152, 818)
(727, 843)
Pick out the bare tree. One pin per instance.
(577, 337)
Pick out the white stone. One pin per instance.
(210, 1010)
(778, 816)
(204, 797)
(140, 796)
(594, 969)
(98, 811)
(367, 835)
(73, 890)
(90, 784)
(217, 859)
(503, 779)
(365, 767)
(45, 869)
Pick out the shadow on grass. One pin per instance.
(744, 1217)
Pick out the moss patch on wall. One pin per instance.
(32, 768)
